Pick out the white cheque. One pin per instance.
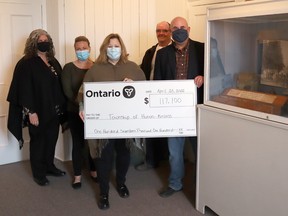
(140, 109)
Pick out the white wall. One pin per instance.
(134, 20)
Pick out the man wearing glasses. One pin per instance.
(155, 148)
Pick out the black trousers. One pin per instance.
(104, 164)
(43, 141)
(76, 126)
(156, 150)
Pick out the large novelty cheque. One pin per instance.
(140, 109)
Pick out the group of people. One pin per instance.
(42, 96)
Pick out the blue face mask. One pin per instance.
(114, 53)
(83, 55)
(180, 35)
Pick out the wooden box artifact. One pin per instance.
(258, 101)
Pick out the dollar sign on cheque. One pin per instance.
(146, 101)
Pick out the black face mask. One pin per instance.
(43, 46)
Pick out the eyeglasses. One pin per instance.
(162, 30)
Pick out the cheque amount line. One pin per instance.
(167, 100)
(170, 100)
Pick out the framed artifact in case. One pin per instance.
(274, 63)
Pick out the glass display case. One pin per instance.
(247, 61)
(243, 123)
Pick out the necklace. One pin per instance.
(53, 70)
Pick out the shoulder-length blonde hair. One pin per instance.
(102, 58)
(31, 44)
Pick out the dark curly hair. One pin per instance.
(31, 44)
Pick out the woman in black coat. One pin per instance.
(36, 99)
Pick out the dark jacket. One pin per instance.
(165, 64)
(35, 87)
(147, 60)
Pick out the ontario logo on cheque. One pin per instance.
(127, 92)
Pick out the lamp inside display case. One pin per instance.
(248, 63)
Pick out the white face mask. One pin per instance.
(114, 53)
